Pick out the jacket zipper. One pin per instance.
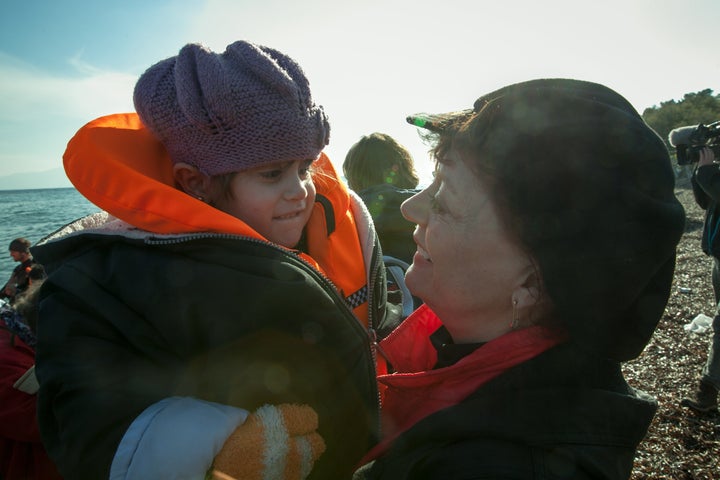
(372, 332)
(370, 335)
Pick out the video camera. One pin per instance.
(689, 140)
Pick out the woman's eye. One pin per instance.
(434, 204)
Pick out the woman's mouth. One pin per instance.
(425, 255)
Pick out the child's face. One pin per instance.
(276, 200)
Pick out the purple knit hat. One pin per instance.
(244, 108)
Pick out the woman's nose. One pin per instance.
(412, 208)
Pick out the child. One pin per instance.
(228, 271)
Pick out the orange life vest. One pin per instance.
(116, 163)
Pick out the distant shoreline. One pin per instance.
(9, 190)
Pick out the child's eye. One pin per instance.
(305, 168)
(271, 174)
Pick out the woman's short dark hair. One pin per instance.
(588, 189)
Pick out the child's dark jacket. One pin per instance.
(193, 303)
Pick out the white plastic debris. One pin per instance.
(699, 325)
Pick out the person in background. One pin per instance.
(546, 248)
(382, 172)
(213, 320)
(22, 454)
(20, 252)
(706, 190)
(20, 318)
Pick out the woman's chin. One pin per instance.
(414, 281)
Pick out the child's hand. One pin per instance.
(275, 442)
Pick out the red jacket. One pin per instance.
(22, 455)
(416, 390)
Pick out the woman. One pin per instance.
(230, 272)
(545, 254)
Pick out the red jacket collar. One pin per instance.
(416, 390)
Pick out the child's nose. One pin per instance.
(296, 188)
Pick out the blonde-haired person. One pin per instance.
(382, 172)
(377, 159)
(230, 275)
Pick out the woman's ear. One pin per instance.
(191, 180)
(528, 293)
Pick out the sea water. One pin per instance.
(34, 214)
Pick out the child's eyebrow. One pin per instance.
(275, 166)
(282, 165)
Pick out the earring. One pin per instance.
(515, 317)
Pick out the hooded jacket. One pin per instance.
(161, 296)
(528, 405)
(395, 231)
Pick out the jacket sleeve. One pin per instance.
(495, 459)
(11, 282)
(95, 372)
(176, 438)
(707, 178)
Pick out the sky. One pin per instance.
(370, 62)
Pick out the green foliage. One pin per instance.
(694, 108)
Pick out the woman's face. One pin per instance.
(276, 200)
(467, 267)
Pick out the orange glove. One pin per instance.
(275, 442)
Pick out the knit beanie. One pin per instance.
(588, 187)
(221, 113)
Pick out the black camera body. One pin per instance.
(689, 141)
